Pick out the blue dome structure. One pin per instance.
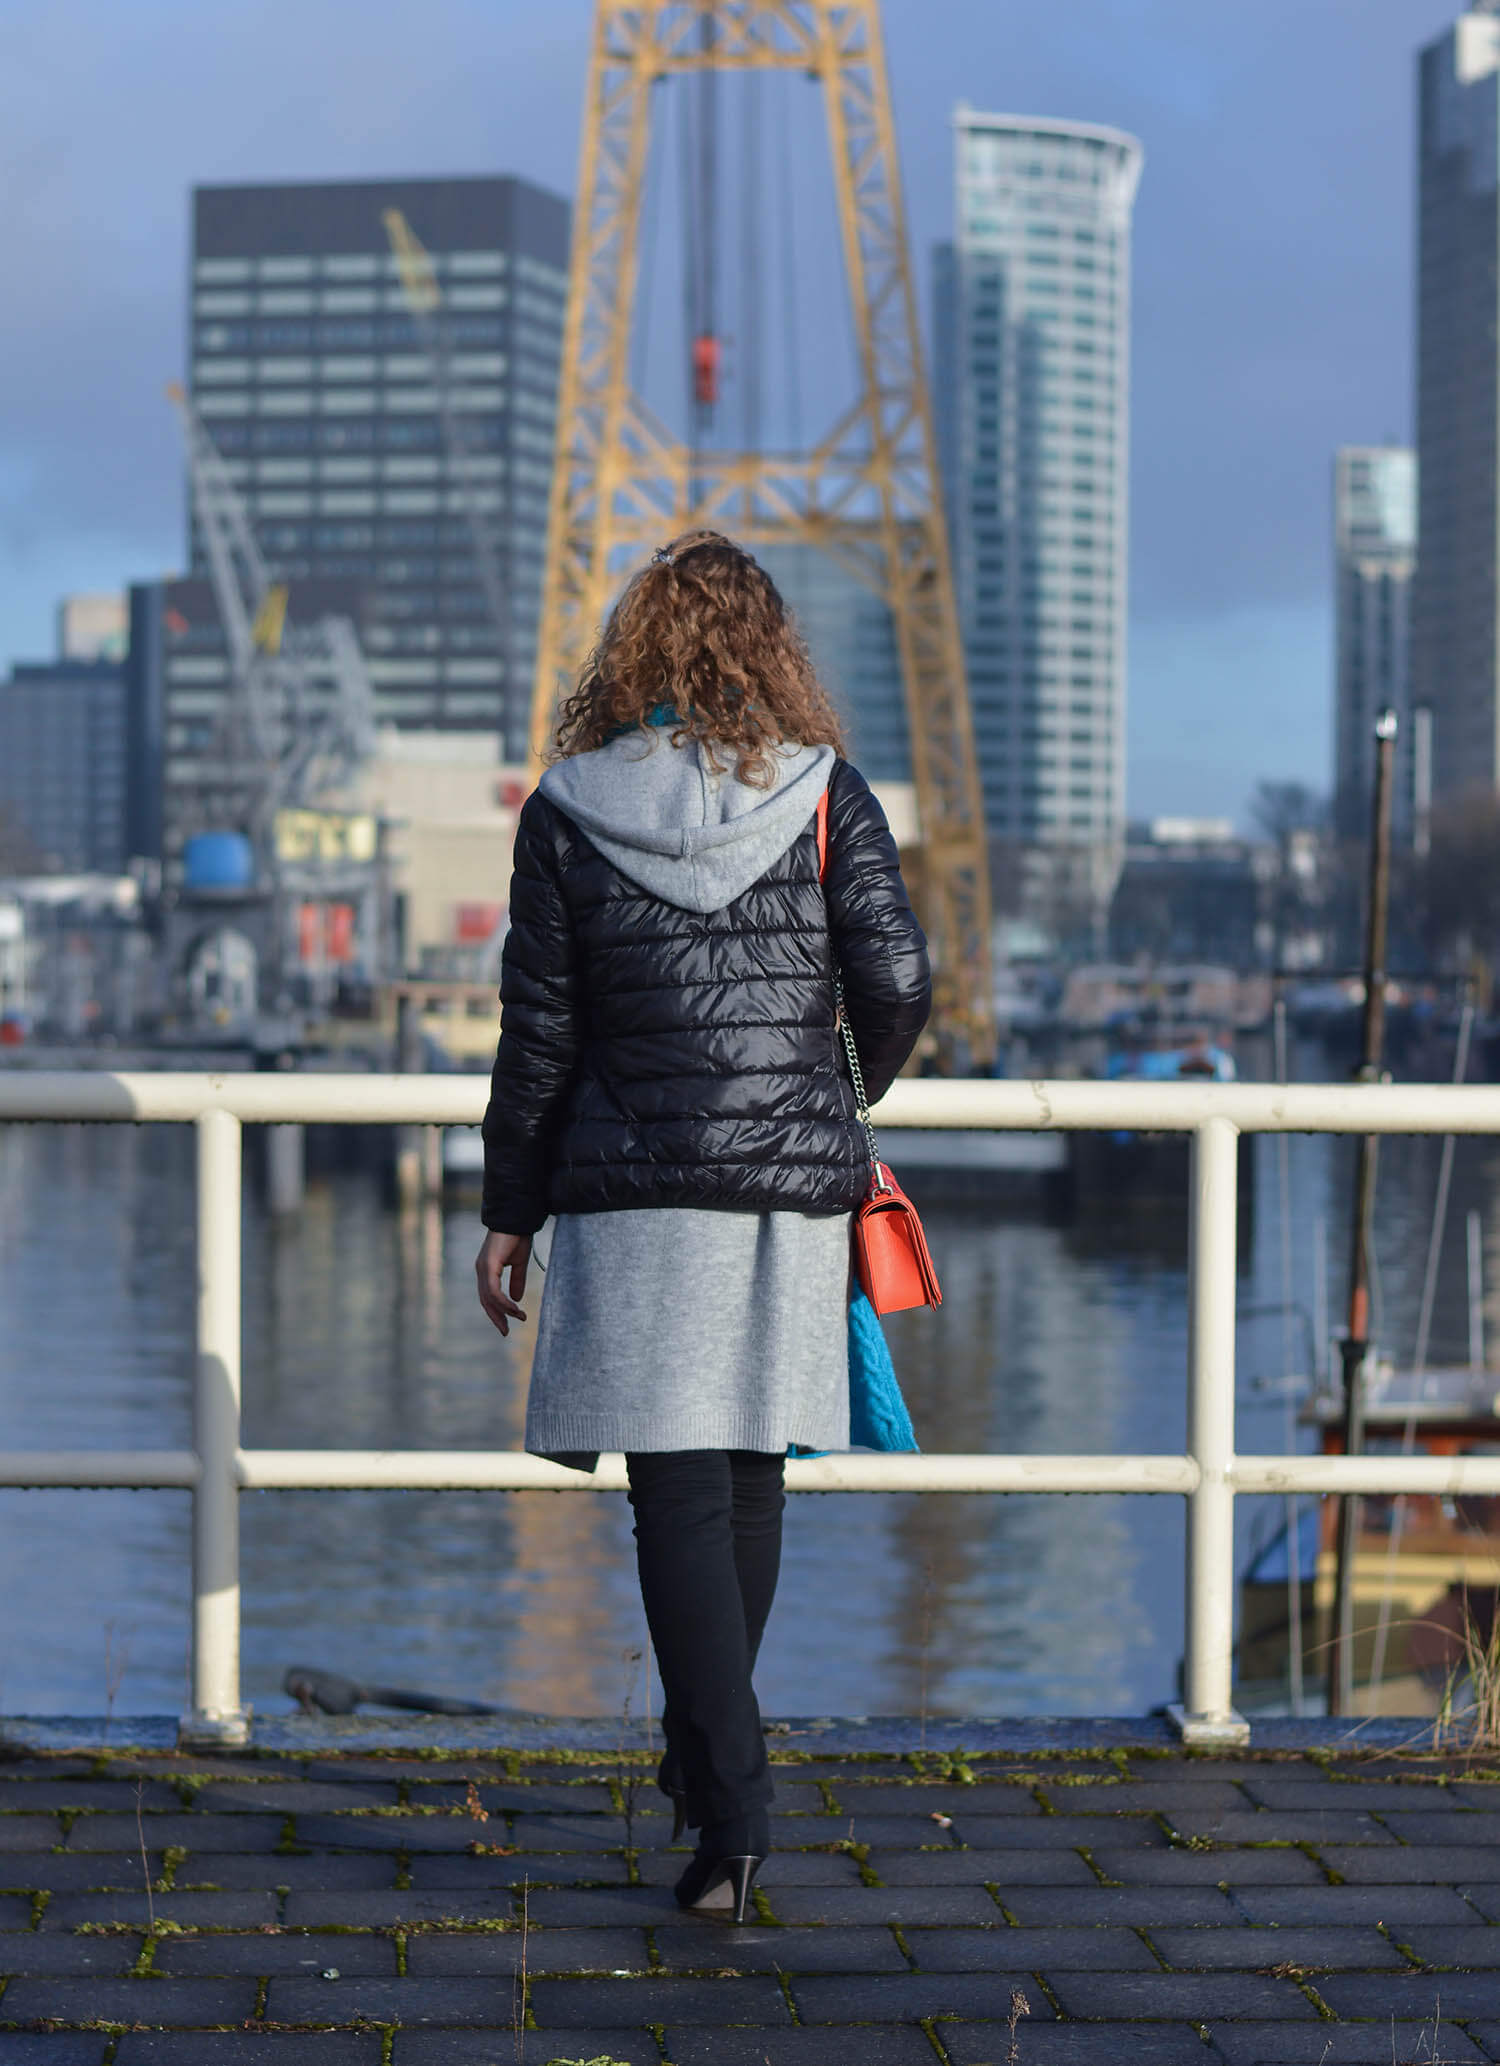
(218, 861)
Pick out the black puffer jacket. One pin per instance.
(652, 1055)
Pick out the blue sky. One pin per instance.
(1272, 276)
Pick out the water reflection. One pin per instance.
(361, 1329)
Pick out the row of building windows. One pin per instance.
(368, 333)
(336, 301)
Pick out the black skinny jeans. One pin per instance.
(708, 1548)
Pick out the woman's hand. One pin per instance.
(499, 1253)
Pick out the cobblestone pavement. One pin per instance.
(500, 1910)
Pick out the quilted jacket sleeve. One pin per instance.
(539, 1031)
(882, 954)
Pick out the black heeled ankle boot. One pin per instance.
(724, 1868)
(669, 1782)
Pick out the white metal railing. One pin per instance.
(1209, 1474)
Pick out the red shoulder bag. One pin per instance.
(891, 1258)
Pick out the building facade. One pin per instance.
(1455, 639)
(62, 767)
(852, 639)
(1375, 558)
(1031, 347)
(315, 382)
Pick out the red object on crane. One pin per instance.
(706, 352)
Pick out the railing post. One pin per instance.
(1206, 1715)
(217, 1716)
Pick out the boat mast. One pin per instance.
(1355, 1347)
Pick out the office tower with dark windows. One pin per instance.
(1375, 558)
(1031, 349)
(1455, 638)
(315, 382)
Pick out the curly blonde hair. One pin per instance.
(703, 631)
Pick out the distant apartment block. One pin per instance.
(1375, 558)
(1455, 634)
(1032, 384)
(62, 767)
(315, 383)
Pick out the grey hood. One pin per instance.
(665, 819)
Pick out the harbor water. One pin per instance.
(362, 1330)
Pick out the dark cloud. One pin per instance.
(1273, 255)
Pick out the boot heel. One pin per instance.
(742, 1872)
(725, 1888)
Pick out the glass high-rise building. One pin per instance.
(314, 382)
(1031, 352)
(1375, 557)
(1455, 605)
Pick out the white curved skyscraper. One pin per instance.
(1032, 389)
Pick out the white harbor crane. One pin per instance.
(470, 466)
(299, 715)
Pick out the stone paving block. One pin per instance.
(1044, 1950)
(235, 1911)
(1060, 1868)
(385, 1911)
(1047, 1832)
(588, 1908)
(29, 1833)
(1184, 1868)
(58, 1872)
(487, 2003)
(1340, 2044)
(891, 2047)
(569, 2005)
(588, 1797)
(289, 1797)
(172, 2003)
(325, 1872)
(1454, 1826)
(442, 1871)
(1350, 1905)
(225, 1951)
(1410, 1996)
(475, 1954)
(855, 1905)
(39, 1952)
(1464, 1948)
(1422, 1865)
(1143, 1906)
(106, 1832)
(46, 1796)
(691, 1946)
(1487, 2037)
(785, 1868)
(52, 2048)
(1148, 1797)
(1077, 2044)
(1249, 1950)
(983, 1799)
(1484, 1895)
(252, 2048)
(811, 1832)
(1267, 1826)
(1296, 1794)
(908, 1997)
(15, 1912)
(553, 1834)
(536, 2048)
(1121, 1997)
(374, 1832)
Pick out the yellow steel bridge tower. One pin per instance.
(866, 493)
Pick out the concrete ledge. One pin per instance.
(846, 1735)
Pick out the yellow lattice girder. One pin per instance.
(867, 494)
